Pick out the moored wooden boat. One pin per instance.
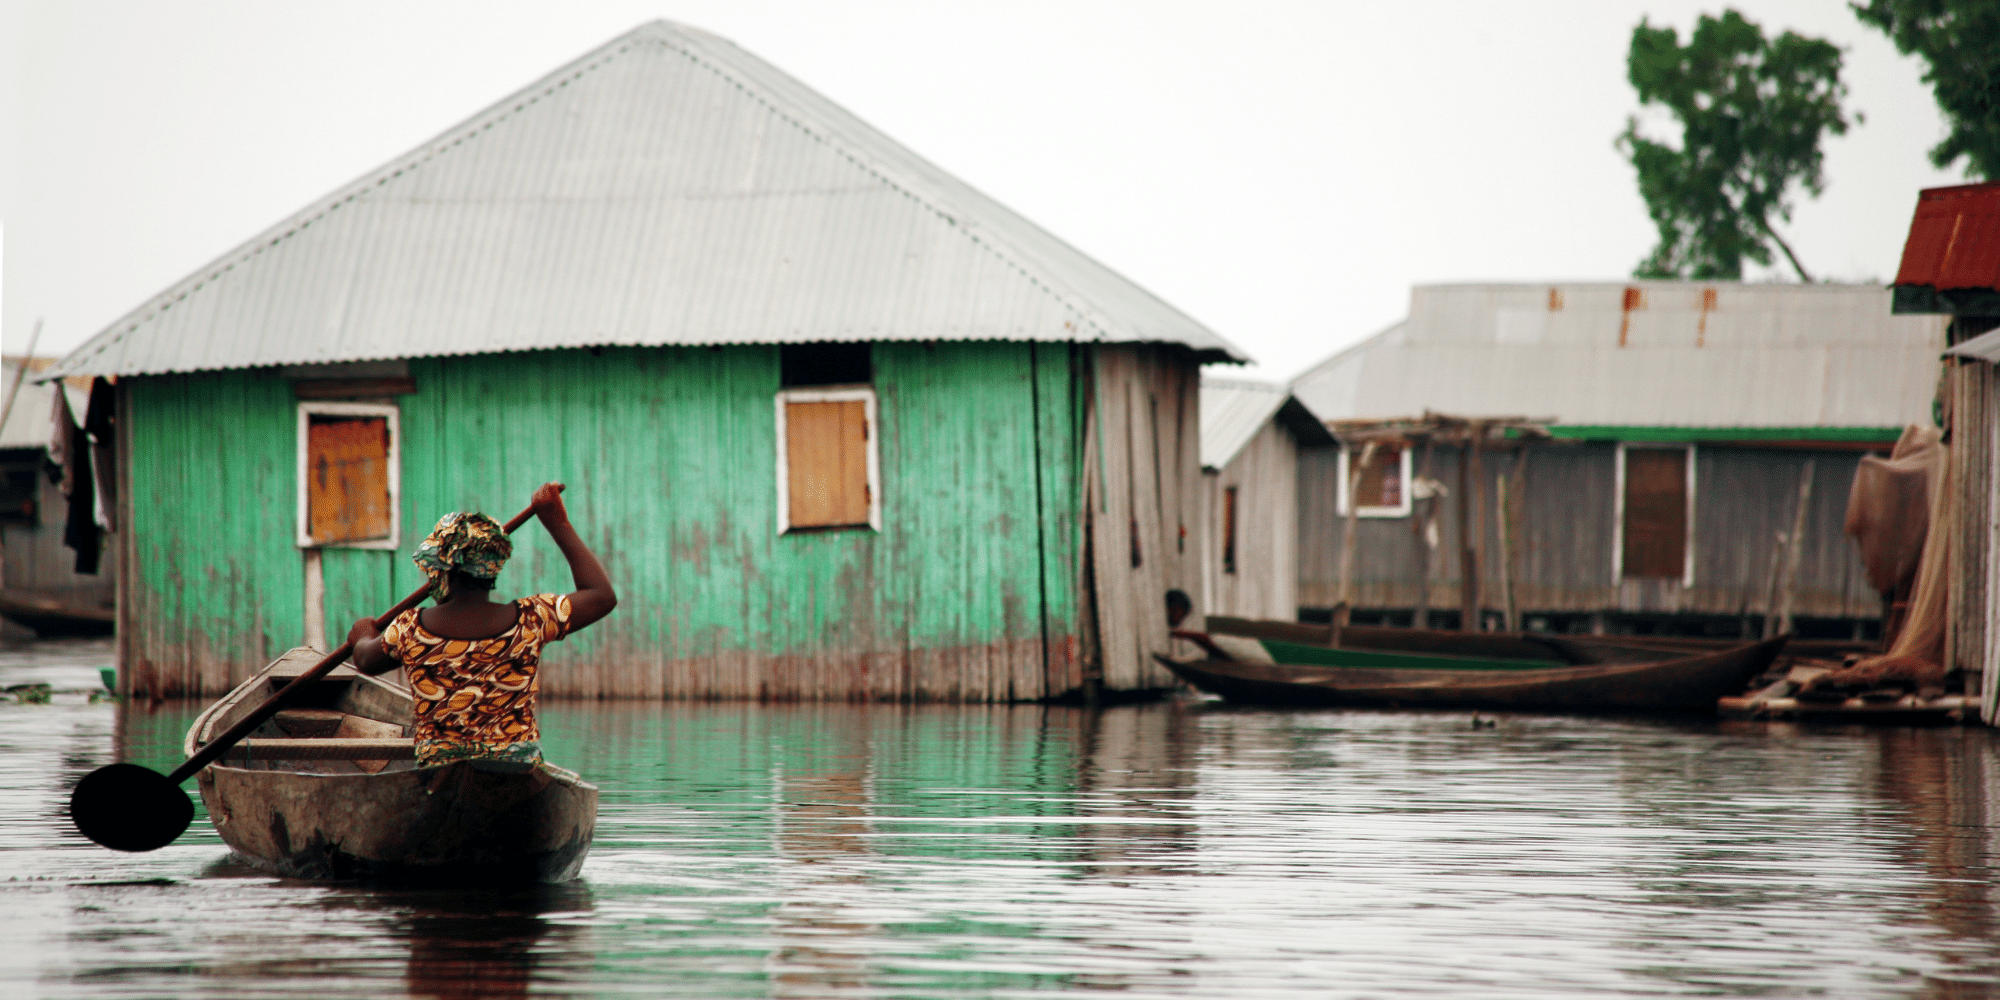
(1523, 645)
(50, 616)
(329, 788)
(1560, 674)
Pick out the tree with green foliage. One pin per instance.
(1751, 112)
(1959, 41)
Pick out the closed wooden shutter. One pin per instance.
(1382, 480)
(347, 479)
(1656, 528)
(1229, 529)
(826, 462)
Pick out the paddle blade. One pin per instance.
(130, 808)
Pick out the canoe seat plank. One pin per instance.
(325, 749)
(305, 723)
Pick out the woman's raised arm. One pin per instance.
(594, 597)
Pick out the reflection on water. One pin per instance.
(1174, 850)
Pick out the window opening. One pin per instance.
(20, 484)
(825, 364)
(1384, 487)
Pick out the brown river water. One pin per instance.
(1180, 849)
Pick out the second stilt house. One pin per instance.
(1702, 438)
(841, 426)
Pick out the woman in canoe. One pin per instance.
(473, 664)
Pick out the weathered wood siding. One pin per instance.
(1972, 633)
(1265, 583)
(1142, 470)
(1567, 523)
(969, 592)
(37, 559)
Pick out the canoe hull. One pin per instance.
(452, 823)
(1682, 684)
(316, 800)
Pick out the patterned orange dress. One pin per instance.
(476, 697)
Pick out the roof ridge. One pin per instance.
(1211, 381)
(873, 170)
(1335, 358)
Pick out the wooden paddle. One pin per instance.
(128, 807)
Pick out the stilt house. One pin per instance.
(841, 426)
(43, 585)
(1252, 434)
(1951, 269)
(1703, 437)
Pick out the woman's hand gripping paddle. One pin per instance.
(127, 807)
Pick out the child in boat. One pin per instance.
(473, 664)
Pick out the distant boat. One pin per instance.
(51, 616)
(330, 788)
(1415, 668)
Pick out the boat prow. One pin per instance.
(330, 788)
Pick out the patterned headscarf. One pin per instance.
(473, 544)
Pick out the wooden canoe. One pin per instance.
(1600, 677)
(1522, 645)
(330, 788)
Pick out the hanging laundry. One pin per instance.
(78, 486)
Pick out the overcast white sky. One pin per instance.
(1282, 171)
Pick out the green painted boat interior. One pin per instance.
(1299, 654)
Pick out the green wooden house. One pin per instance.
(841, 426)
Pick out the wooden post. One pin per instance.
(1347, 542)
(1423, 522)
(1473, 541)
(1506, 512)
(1795, 548)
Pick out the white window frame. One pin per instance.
(1399, 510)
(1618, 508)
(307, 410)
(830, 394)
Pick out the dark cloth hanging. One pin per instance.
(100, 421)
(79, 486)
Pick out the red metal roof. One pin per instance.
(1954, 239)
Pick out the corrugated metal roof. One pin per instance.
(1954, 239)
(667, 188)
(1233, 411)
(1694, 354)
(31, 424)
(1985, 347)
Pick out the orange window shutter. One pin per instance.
(1656, 529)
(826, 463)
(347, 479)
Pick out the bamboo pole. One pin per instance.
(1771, 584)
(1467, 600)
(1795, 548)
(1347, 542)
(1472, 543)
